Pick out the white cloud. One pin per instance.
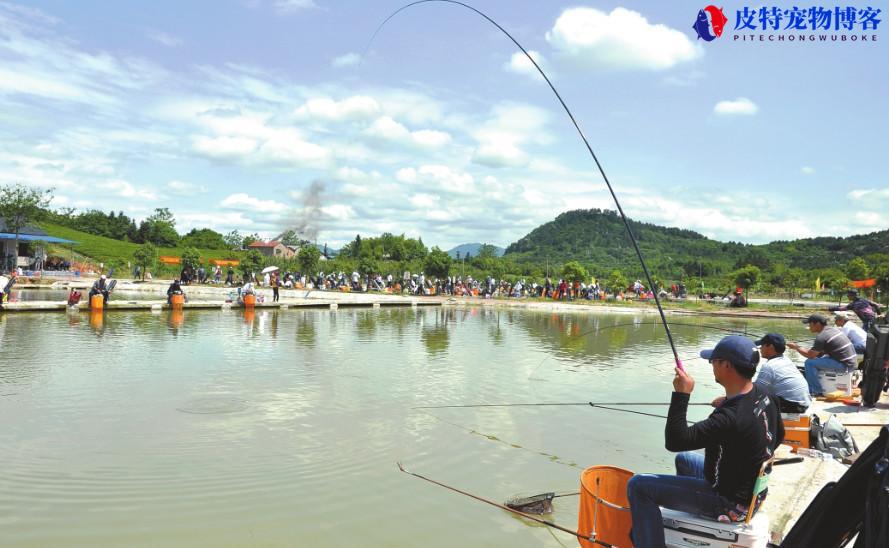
(388, 129)
(244, 202)
(740, 106)
(286, 147)
(438, 178)
(807, 170)
(124, 189)
(357, 107)
(520, 64)
(346, 60)
(224, 147)
(185, 189)
(425, 201)
(338, 211)
(165, 39)
(869, 195)
(509, 127)
(622, 39)
(290, 6)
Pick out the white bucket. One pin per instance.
(832, 380)
(682, 530)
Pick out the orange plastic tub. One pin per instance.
(249, 301)
(97, 302)
(604, 507)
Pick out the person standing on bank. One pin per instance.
(741, 434)
(831, 350)
(276, 284)
(865, 309)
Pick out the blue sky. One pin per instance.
(228, 112)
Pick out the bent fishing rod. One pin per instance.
(586, 142)
(508, 509)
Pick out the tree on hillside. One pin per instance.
(204, 238)
(233, 240)
(573, 271)
(252, 262)
(835, 280)
(617, 282)
(792, 280)
(438, 263)
(308, 258)
(368, 265)
(857, 269)
(291, 237)
(159, 229)
(249, 240)
(746, 277)
(145, 257)
(20, 206)
(486, 251)
(191, 257)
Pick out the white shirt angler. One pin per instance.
(3, 281)
(780, 377)
(855, 333)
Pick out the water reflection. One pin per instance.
(434, 332)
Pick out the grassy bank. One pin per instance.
(113, 253)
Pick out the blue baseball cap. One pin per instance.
(774, 339)
(737, 349)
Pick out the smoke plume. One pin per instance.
(306, 219)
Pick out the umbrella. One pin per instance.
(268, 269)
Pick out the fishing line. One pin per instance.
(585, 142)
(553, 458)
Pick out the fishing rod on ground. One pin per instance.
(541, 503)
(516, 511)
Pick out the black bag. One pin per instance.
(874, 366)
(851, 504)
(831, 437)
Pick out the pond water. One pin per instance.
(283, 428)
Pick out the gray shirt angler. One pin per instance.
(836, 344)
(780, 377)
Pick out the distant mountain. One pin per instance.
(598, 237)
(472, 249)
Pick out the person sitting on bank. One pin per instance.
(741, 433)
(780, 377)
(100, 287)
(174, 289)
(856, 334)
(831, 350)
(865, 309)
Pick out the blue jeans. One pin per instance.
(687, 492)
(813, 365)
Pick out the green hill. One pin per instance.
(114, 252)
(598, 238)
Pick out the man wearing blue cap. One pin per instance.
(780, 377)
(741, 433)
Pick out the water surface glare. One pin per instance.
(282, 428)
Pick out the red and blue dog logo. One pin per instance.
(710, 23)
